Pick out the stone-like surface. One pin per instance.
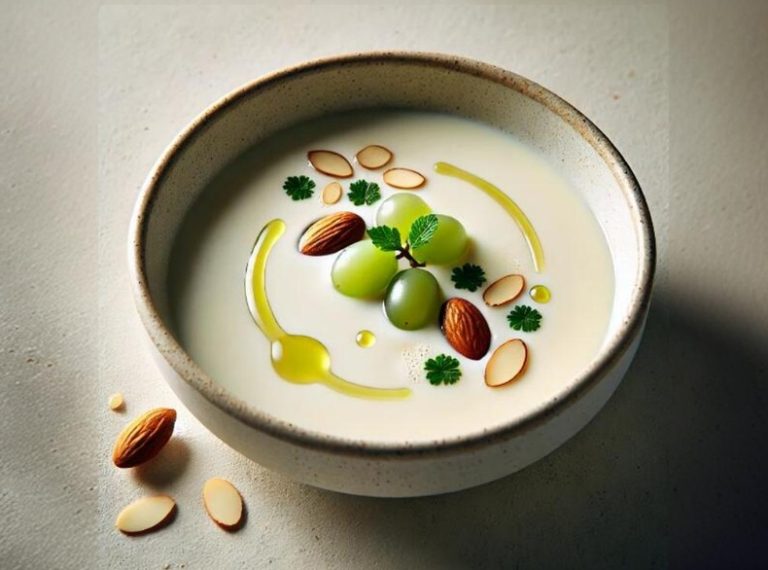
(671, 472)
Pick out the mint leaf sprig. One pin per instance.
(422, 230)
(387, 238)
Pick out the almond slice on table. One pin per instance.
(145, 514)
(223, 503)
(404, 178)
(506, 363)
(330, 163)
(332, 233)
(465, 328)
(332, 193)
(116, 401)
(504, 290)
(374, 156)
(144, 437)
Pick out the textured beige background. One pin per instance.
(670, 473)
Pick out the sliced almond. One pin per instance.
(145, 514)
(144, 437)
(223, 503)
(404, 178)
(332, 193)
(374, 156)
(330, 163)
(115, 401)
(465, 328)
(332, 233)
(504, 290)
(506, 363)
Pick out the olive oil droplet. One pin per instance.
(366, 339)
(540, 294)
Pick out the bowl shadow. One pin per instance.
(671, 473)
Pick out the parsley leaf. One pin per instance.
(525, 318)
(363, 192)
(385, 238)
(422, 230)
(468, 276)
(442, 369)
(299, 187)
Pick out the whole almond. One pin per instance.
(332, 233)
(465, 328)
(144, 437)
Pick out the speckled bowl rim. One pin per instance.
(191, 373)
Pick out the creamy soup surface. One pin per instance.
(213, 324)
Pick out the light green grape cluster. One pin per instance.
(363, 271)
(447, 246)
(400, 211)
(411, 297)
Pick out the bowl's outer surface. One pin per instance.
(421, 81)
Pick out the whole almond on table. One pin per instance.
(332, 233)
(465, 328)
(144, 437)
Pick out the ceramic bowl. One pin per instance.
(406, 80)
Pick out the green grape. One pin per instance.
(447, 246)
(399, 211)
(413, 299)
(363, 271)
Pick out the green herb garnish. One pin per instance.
(422, 230)
(468, 276)
(385, 238)
(299, 187)
(525, 318)
(363, 192)
(442, 369)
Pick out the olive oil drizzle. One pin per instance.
(525, 225)
(296, 358)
